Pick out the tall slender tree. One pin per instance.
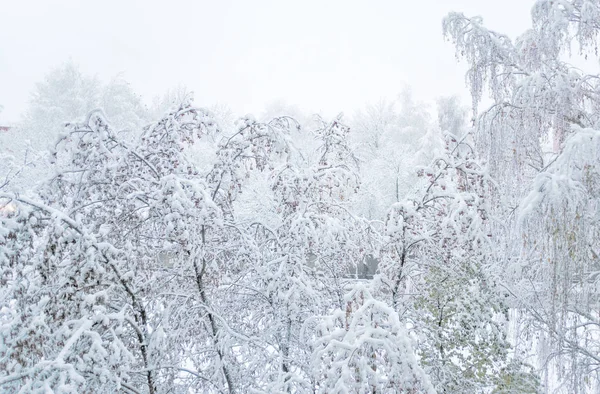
(539, 140)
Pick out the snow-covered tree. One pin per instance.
(390, 138)
(120, 282)
(539, 140)
(452, 116)
(309, 247)
(66, 95)
(438, 267)
(365, 348)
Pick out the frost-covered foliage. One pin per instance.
(400, 252)
(120, 259)
(308, 250)
(197, 259)
(540, 140)
(66, 95)
(105, 221)
(437, 265)
(390, 139)
(366, 348)
(128, 271)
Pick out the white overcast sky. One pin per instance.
(327, 55)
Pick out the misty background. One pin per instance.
(324, 57)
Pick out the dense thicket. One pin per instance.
(395, 251)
